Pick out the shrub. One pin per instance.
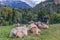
(55, 18)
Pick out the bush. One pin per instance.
(55, 18)
(4, 23)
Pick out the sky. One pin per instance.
(32, 3)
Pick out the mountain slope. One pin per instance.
(16, 4)
(47, 6)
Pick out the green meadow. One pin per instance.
(53, 33)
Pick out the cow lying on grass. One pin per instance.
(41, 25)
(33, 28)
(19, 31)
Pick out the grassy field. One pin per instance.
(53, 33)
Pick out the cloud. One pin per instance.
(0, 0)
(38, 1)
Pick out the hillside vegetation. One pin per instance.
(9, 15)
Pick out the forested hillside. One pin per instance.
(50, 9)
(9, 15)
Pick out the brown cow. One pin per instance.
(19, 31)
(41, 25)
(34, 29)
